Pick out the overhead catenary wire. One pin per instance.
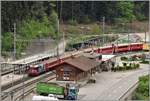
(0, 59)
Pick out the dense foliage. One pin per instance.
(79, 11)
(36, 19)
(142, 91)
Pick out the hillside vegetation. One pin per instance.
(142, 91)
(39, 19)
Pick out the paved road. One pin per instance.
(116, 91)
(111, 86)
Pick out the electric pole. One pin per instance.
(0, 60)
(57, 32)
(145, 36)
(14, 55)
(103, 28)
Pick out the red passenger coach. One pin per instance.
(107, 50)
(123, 48)
(136, 46)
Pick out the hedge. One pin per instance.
(126, 66)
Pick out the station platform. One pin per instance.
(10, 78)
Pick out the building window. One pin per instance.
(66, 75)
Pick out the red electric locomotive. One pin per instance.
(45, 66)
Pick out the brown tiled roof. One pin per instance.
(82, 63)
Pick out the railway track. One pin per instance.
(20, 87)
(28, 78)
(30, 90)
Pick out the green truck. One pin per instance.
(68, 92)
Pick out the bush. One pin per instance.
(144, 62)
(95, 29)
(123, 58)
(126, 67)
(137, 65)
(124, 64)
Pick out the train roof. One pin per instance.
(124, 44)
(30, 59)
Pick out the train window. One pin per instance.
(122, 46)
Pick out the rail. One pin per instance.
(30, 90)
(26, 84)
(128, 92)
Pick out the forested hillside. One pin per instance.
(81, 11)
(37, 19)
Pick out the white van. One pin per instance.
(44, 98)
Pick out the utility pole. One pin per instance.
(103, 28)
(0, 60)
(14, 55)
(145, 36)
(129, 30)
(57, 39)
(63, 41)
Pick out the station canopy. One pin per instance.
(107, 57)
(29, 60)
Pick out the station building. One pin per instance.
(76, 68)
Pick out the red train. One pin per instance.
(120, 48)
(46, 66)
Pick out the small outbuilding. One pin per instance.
(106, 61)
(76, 68)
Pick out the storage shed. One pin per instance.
(76, 68)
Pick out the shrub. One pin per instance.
(124, 64)
(123, 58)
(137, 65)
(144, 62)
(126, 67)
(95, 29)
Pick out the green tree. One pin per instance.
(53, 18)
(125, 11)
(7, 42)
